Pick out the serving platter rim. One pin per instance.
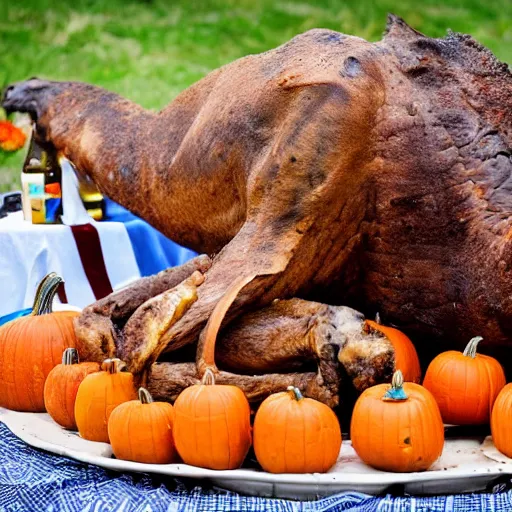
(312, 483)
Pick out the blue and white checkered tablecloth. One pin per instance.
(35, 481)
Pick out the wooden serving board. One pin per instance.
(467, 465)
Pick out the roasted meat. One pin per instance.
(371, 175)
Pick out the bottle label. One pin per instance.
(41, 179)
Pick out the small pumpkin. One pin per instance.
(141, 430)
(293, 434)
(212, 422)
(31, 346)
(465, 384)
(501, 419)
(98, 395)
(397, 428)
(61, 387)
(212, 426)
(406, 357)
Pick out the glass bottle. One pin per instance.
(41, 180)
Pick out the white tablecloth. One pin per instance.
(28, 252)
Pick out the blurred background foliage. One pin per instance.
(150, 50)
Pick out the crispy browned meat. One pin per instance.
(167, 380)
(142, 335)
(290, 342)
(290, 335)
(375, 175)
(99, 328)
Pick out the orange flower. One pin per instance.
(11, 137)
(5, 130)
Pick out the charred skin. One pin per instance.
(292, 335)
(100, 327)
(291, 342)
(375, 175)
(438, 250)
(167, 380)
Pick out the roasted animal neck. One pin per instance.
(104, 135)
(142, 159)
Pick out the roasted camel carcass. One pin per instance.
(305, 344)
(373, 175)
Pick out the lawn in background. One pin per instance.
(149, 50)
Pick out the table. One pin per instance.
(33, 480)
(93, 259)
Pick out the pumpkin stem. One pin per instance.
(70, 356)
(295, 392)
(45, 293)
(206, 347)
(113, 365)
(145, 396)
(396, 391)
(470, 349)
(37, 297)
(208, 378)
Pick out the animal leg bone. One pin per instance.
(289, 335)
(142, 333)
(165, 381)
(100, 325)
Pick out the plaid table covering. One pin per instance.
(35, 481)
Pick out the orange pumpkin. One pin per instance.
(501, 419)
(293, 434)
(31, 346)
(465, 384)
(212, 422)
(61, 387)
(397, 428)
(98, 395)
(212, 426)
(141, 430)
(406, 357)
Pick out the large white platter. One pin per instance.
(466, 465)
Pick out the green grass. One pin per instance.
(149, 51)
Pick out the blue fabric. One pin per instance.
(153, 251)
(35, 481)
(12, 316)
